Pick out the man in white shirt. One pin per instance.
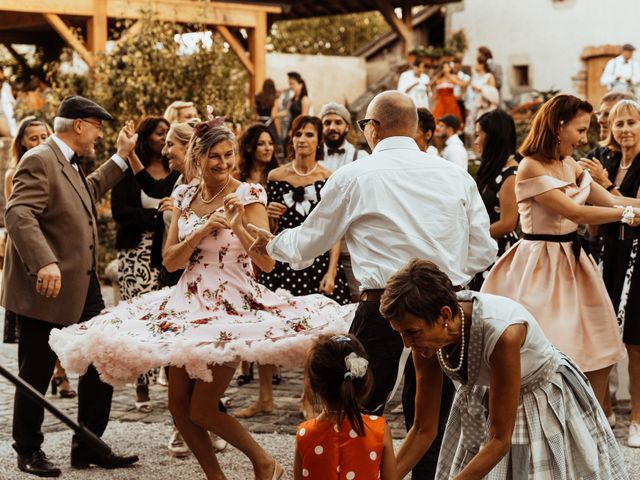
(338, 152)
(454, 150)
(622, 73)
(394, 205)
(415, 83)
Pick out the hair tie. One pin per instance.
(356, 366)
(201, 128)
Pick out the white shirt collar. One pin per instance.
(66, 150)
(390, 143)
(453, 139)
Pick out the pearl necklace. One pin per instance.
(441, 356)
(214, 197)
(295, 170)
(625, 168)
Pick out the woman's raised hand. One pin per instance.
(596, 170)
(234, 210)
(275, 210)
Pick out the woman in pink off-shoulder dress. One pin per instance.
(547, 271)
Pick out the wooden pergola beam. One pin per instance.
(237, 48)
(97, 29)
(180, 11)
(68, 36)
(257, 51)
(403, 30)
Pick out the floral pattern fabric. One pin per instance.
(216, 314)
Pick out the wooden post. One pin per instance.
(404, 32)
(258, 55)
(237, 48)
(97, 27)
(407, 19)
(68, 36)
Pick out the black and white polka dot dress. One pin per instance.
(300, 202)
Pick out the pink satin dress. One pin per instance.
(565, 295)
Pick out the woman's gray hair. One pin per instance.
(61, 124)
(199, 147)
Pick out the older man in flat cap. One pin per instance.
(338, 152)
(50, 276)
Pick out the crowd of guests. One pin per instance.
(265, 256)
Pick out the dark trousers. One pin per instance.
(384, 347)
(36, 363)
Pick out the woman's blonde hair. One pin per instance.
(199, 146)
(183, 132)
(171, 113)
(629, 107)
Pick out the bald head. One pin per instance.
(396, 113)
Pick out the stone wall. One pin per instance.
(329, 78)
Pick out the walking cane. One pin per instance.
(89, 438)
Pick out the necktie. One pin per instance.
(75, 159)
(335, 151)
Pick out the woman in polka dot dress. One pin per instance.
(293, 191)
(342, 443)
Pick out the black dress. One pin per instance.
(300, 201)
(491, 198)
(620, 259)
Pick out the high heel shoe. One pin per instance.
(245, 378)
(278, 471)
(62, 383)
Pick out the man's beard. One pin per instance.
(337, 143)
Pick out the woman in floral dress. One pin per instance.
(214, 317)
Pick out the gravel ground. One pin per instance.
(148, 441)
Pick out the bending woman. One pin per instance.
(523, 411)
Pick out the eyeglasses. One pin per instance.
(98, 125)
(362, 123)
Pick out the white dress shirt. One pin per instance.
(392, 206)
(455, 151)
(337, 160)
(625, 69)
(68, 153)
(419, 93)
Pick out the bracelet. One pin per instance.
(628, 215)
(611, 187)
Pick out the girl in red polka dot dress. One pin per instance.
(342, 443)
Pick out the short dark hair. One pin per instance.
(426, 120)
(542, 139)
(421, 289)
(451, 121)
(298, 124)
(325, 378)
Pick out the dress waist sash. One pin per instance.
(568, 237)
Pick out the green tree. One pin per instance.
(333, 35)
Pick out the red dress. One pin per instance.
(446, 103)
(329, 452)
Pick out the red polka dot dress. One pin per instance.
(329, 452)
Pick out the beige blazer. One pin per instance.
(51, 217)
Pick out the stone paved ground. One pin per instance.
(147, 434)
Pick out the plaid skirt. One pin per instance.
(560, 433)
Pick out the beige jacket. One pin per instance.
(51, 217)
